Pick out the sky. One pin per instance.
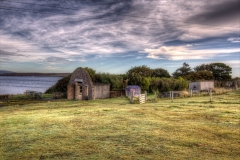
(56, 36)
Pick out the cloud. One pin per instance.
(55, 59)
(218, 12)
(8, 54)
(232, 63)
(139, 57)
(5, 60)
(185, 53)
(113, 28)
(51, 68)
(234, 40)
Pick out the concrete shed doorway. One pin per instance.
(79, 89)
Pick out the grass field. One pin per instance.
(189, 128)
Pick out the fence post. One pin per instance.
(145, 96)
(210, 95)
(131, 96)
(172, 96)
(7, 99)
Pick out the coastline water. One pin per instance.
(19, 84)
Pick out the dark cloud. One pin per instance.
(113, 11)
(5, 60)
(23, 33)
(118, 44)
(220, 13)
(55, 59)
(8, 54)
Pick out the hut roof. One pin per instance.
(133, 86)
(80, 73)
(202, 81)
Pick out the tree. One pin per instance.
(115, 80)
(136, 74)
(92, 73)
(202, 67)
(220, 71)
(60, 86)
(168, 84)
(200, 75)
(182, 71)
(146, 83)
(159, 72)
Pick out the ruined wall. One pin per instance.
(87, 85)
(78, 95)
(88, 90)
(70, 91)
(101, 91)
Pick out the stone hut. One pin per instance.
(81, 87)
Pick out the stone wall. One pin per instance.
(78, 95)
(70, 91)
(101, 91)
(117, 93)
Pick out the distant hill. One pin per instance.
(8, 73)
(4, 72)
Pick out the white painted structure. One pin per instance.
(199, 86)
(142, 98)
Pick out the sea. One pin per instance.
(19, 84)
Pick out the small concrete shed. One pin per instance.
(201, 86)
(81, 87)
(133, 88)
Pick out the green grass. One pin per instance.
(187, 128)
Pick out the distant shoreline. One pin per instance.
(37, 74)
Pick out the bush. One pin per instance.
(168, 84)
(60, 86)
(184, 93)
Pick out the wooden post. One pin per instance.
(7, 99)
(191, 92)
(131, 97)
(210, 95)
(172, 96)
(145, 96)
